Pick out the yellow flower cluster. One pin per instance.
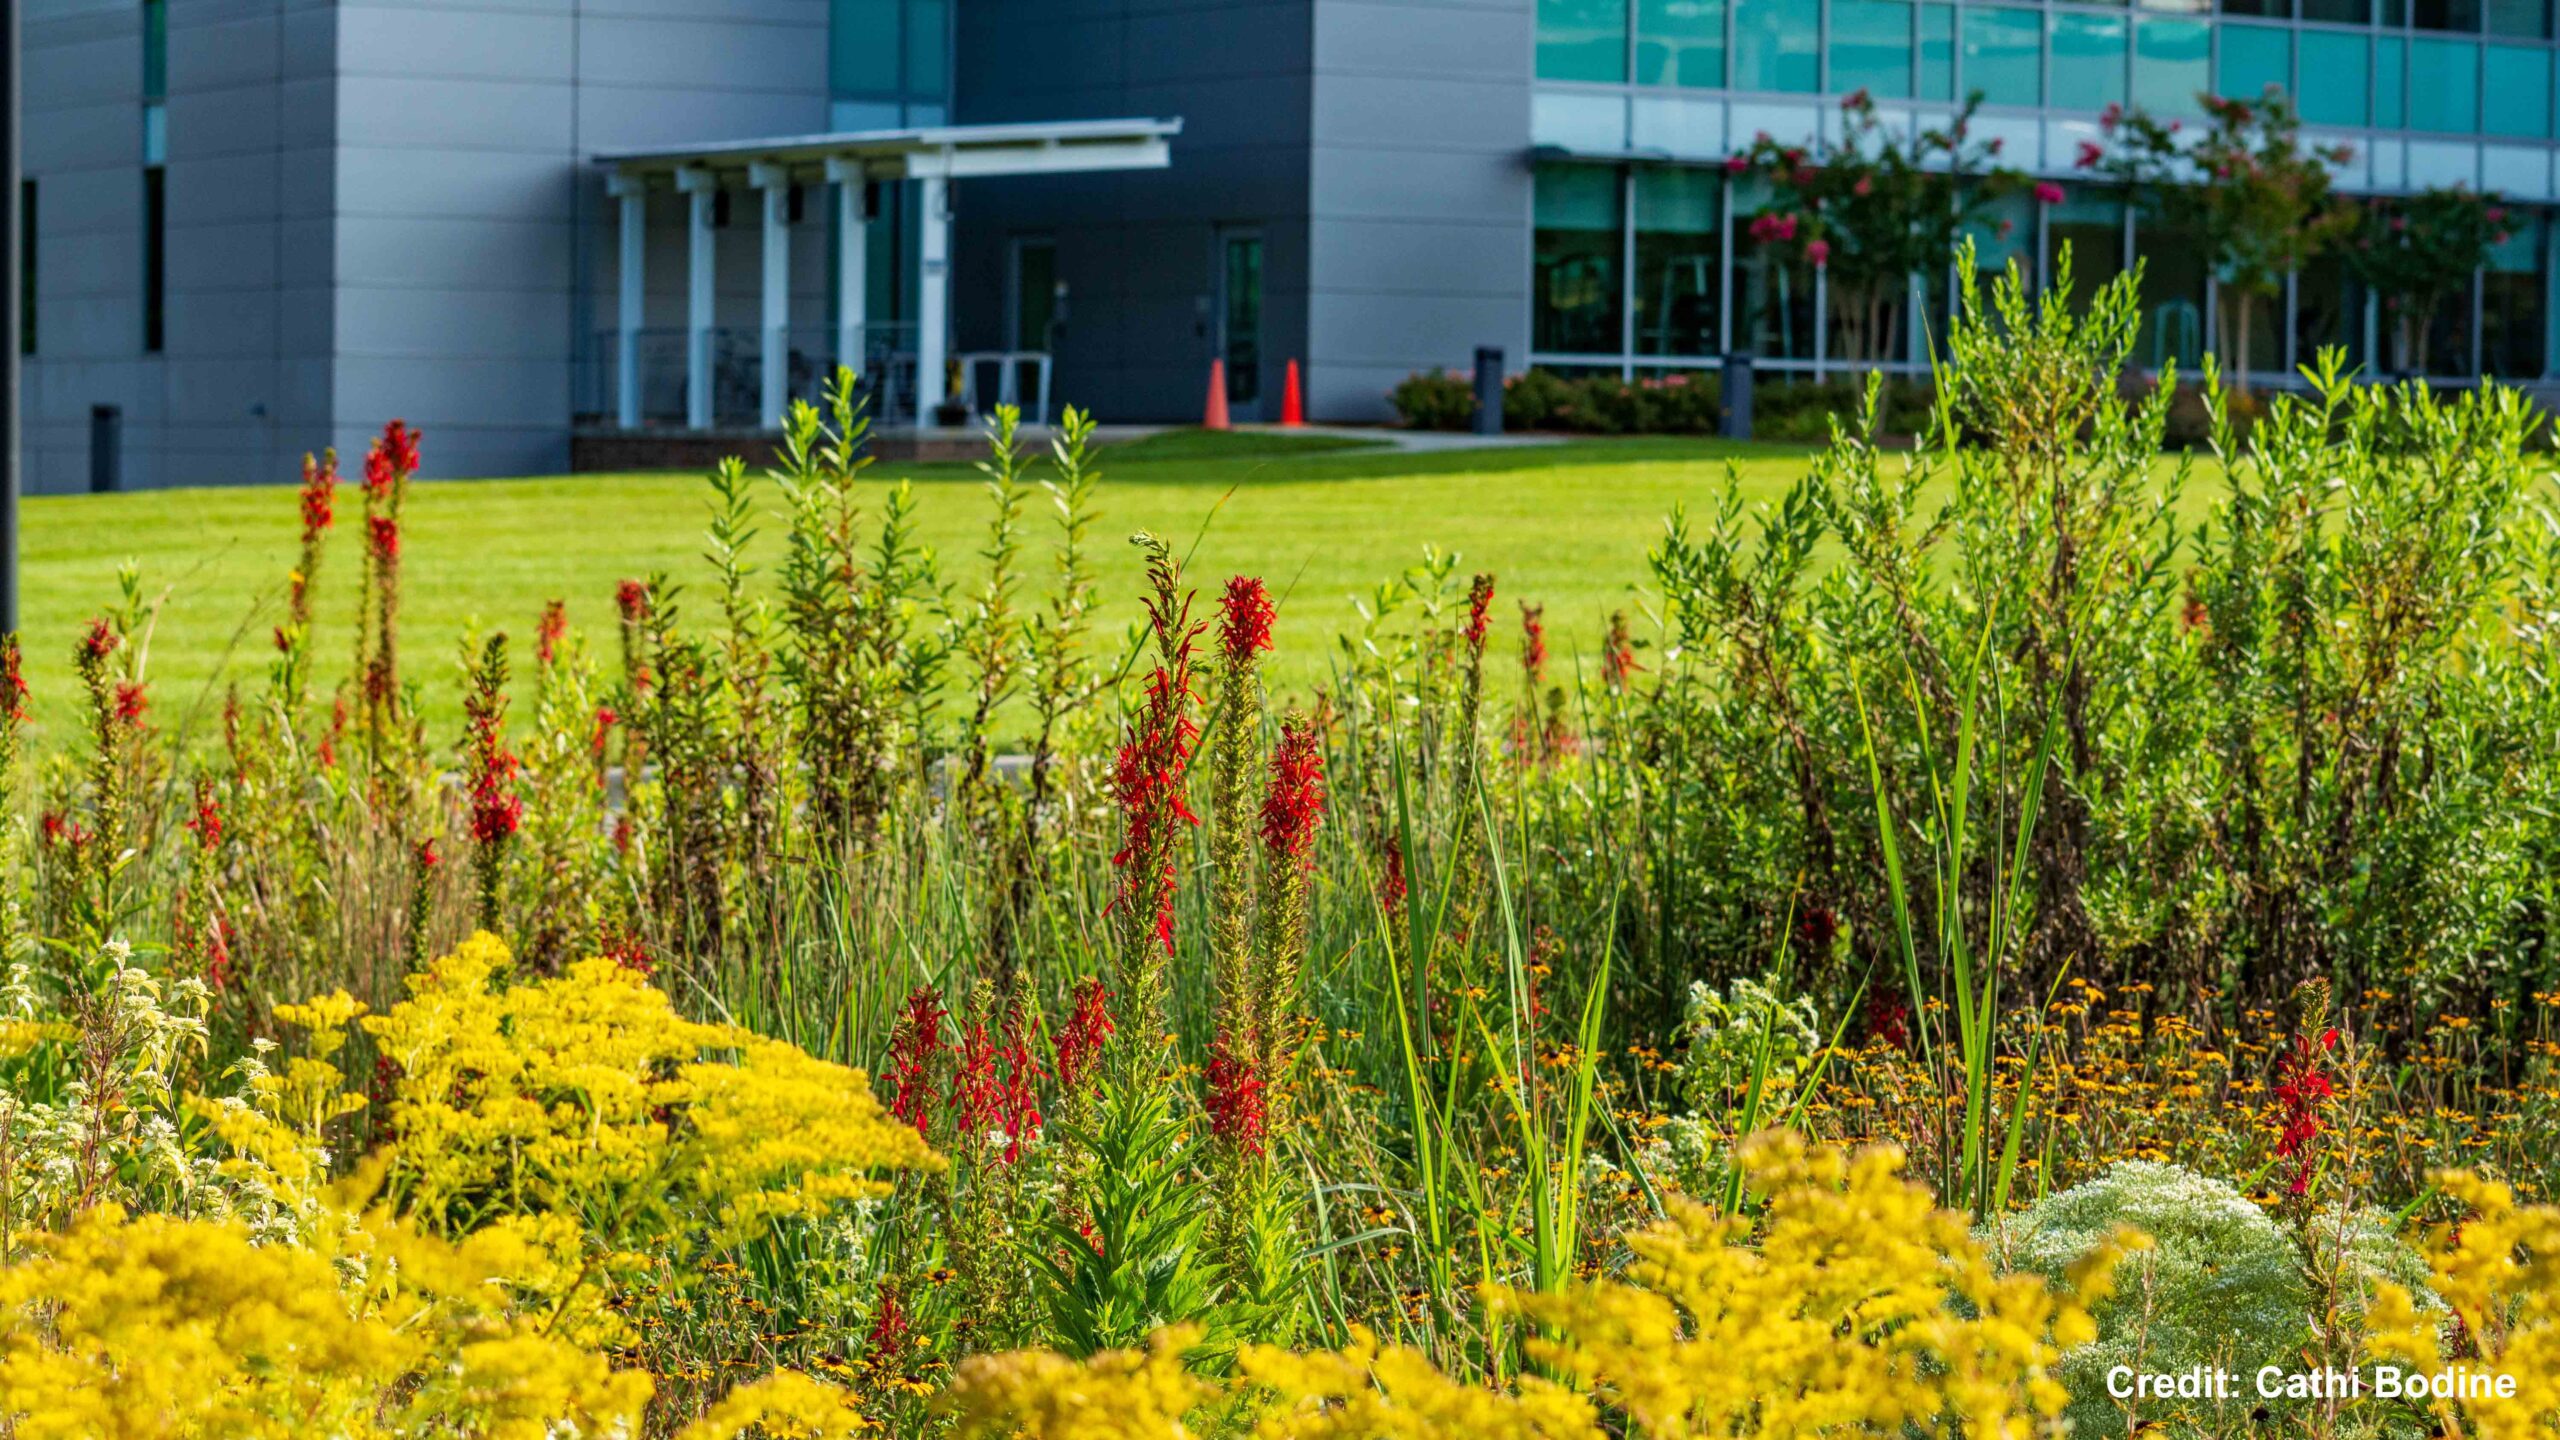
(2498, 1271)
(1852, 1306)
(1837, 1320)
(163, 1327)
(783, 1406)
(1369, 1391)
(1116, 1395)
(541, 1133)
(589, 1095)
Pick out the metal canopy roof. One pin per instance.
(950, 152)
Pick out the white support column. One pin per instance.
(634, 284)
(701, 190)
(853, 261)
(772, 395)
(933, 308)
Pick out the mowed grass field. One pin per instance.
(1322, 521)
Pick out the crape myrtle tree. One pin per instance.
(1875, 209)
(2418, 252)
(2247, 186)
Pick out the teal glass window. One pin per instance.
(2444, 85)
(2526, 19)
(2338, 12)
(2516, 82)
(928, 47)
(862, 47)
(1577, 242)
(2514, 301)
(155, 49)
(2390, 82)
(1937, 52)
(1680, 42)
(2003, 231)
(2088, 59)
(1871, 47)
(2003, 55)
(1583, 40)
(1774, 45)
(2172, 64)
(2459, 16)
(1679, 257)
(2343, 64)
(2253, 58)
(2090, 225)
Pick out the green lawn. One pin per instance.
(1565, 525)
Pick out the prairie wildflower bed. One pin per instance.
(2054, 941)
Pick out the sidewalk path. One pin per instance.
(1411, 441)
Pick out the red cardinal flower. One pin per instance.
(1080, 1040)
(911, 1051)
(1479, 611)
(2302, 1091)
(1294, 803)
(1237, 1104)
(1244, 619)
(392, 458)
(550, 630)
(319, 494)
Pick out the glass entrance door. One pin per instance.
(1035, 294)
(1240, 319)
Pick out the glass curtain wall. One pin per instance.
(2485, 68)
(1651, 263)
(888, 63)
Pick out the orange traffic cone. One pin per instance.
(1216, 416)
(1293, 401)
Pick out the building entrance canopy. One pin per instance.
(929, 157)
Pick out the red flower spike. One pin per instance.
(1294, 804)
(911, 1050)
(319, 495)
(1080, 1041)
(1237, 1102)
(550, 630)
(1244, 619)
(1479, 611)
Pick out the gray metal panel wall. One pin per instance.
(1139, 250)
(1419, 198)
(241, 385)
(474, 248)
(375, 208)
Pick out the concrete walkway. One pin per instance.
(1410, 441)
